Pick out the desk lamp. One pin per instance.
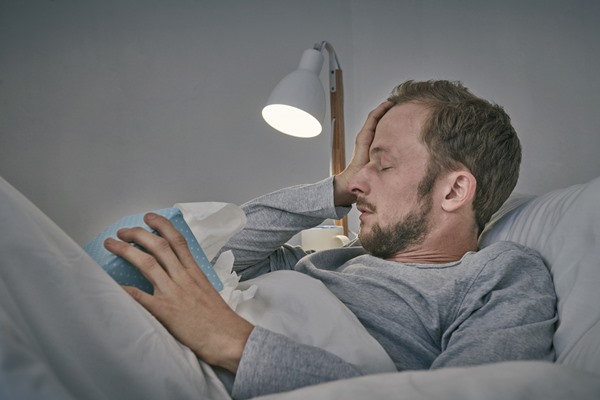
(297, 105)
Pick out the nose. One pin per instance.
(358, 184)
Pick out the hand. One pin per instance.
(343, 196)
(184, 301)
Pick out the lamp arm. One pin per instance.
(334, 63)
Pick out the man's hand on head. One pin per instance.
(184, 301)
(343, 196)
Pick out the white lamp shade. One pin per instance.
(297, 104)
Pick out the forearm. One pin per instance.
(273, 219)
(273, 363)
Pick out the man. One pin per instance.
(430, 166)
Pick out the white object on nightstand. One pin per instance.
(324, 237)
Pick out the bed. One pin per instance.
(68, 331)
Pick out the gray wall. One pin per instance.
(119, 106)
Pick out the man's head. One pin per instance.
(437, 136)
(464, 130)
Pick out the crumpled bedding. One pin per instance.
(67, 330)
(512, 380)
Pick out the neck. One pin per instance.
(440, 247)
(423, 255)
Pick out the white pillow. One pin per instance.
(302, 308)
(564, 226)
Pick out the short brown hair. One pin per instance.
(466, 130)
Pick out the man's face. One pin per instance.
(394, 215)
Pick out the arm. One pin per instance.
(187, 304)
(274, 363)
(184, 300)
(273, 219)
(509, 314)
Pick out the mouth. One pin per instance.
(364, 208)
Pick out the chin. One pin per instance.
(362, 232)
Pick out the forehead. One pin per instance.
(400, 129)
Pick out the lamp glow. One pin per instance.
(291, 120)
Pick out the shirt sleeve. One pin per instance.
(509, 313)
(273, 219)
(273, 363)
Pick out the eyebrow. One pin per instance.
(377, 150)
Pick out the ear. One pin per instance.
(459, 190)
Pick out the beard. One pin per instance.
(386, 242)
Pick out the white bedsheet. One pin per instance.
(67, 330)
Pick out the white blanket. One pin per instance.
(67, 330)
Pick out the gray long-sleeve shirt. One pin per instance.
(493, 305)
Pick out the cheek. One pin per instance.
(389, 213)
(395, 197)
(396, 208)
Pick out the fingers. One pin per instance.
(159, 248)
(145, 299)
(367, 132)
(166, 259)
(375, 115)
(381, 109)
(179, 246)
(146, 263)
(343, 194)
